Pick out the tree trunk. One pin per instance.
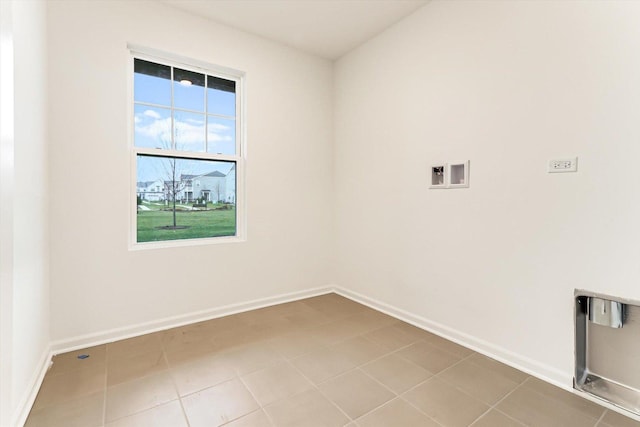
(174, 209)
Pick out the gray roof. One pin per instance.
(216, 174)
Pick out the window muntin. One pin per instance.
(200, 119)
(187, 152)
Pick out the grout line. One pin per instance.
(451, 367)
(495, 405)
(106, 382)
(368, 362)
(308, 330)
(315, 386)
(173, 380)
(420, 410)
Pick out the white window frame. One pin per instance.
(153, 55)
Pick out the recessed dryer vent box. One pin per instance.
(607, 349)
(459, 174)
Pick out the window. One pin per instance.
(186, 130)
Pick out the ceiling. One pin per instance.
(327, 28)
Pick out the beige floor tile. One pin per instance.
(124, 349)
(276, 382)
(495, 418)
(322, 364)
(123, 369)
(448, 346)
(397, 413)
(87, 411)
(226, 333)
(308, 317)
(334, 332)
(198, 374)
(484, 384)
(254, 357)
(226, 323)
(356, 393)
(368, 321)
(334, 306)
(255, 419)
(231, 340)
(139, 395)
(167, 415)
(391, 337)
(359, 350)
(190, 349)
(273, 313)
(614, 419)
(70, 385)
(202, 333)
(67, 362)
(535, 409)
(396, 373)
(414, 331)
(295, 344)
(308, 409)
(429, 357)
(206, 327)
(445, 404)
(498, 368)
(271, 321)
(568, 399)
(260, 315)
(218, 405)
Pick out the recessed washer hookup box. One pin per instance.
(607, 349)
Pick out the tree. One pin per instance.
(175, 184)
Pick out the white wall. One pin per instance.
(25, 237)
(6, 210)
(508, 86)
(97, 283)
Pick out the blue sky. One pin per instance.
(153, 124)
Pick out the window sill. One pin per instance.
(135, 246)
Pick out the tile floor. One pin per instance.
(323, 361)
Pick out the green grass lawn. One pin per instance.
(199, 224)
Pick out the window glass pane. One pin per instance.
(189, 131)
(152, 83)
(152, 127)
(221, 135)
(221, 96)
(188, 90)
(184, 198)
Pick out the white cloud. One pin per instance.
(195, 121)
(217, 127)
(152, 114)
(189, 134)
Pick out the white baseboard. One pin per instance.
(29, 397)
(530, 366)
(90, 340)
